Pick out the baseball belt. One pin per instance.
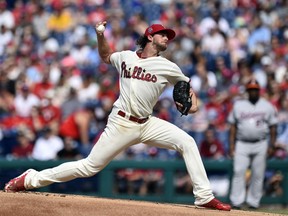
(251, 140)
(133, 118)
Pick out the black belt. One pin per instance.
(133, 118)
(252, 140)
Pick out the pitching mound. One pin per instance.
(35, 203)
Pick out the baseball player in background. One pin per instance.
(143, 75)
(253, 127)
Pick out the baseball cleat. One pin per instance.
(16, 184)
(216, 204)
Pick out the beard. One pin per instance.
(253, 98)
(160, 47)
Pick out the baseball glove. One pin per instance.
(181, 94)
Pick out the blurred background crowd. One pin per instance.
(56, 94)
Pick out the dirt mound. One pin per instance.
(35, 203)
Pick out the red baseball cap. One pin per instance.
(252, 84)
(156, 28)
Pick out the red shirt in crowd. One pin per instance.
(22, 151)
(69, 128)
(212, 149)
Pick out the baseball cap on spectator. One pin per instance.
(266, 60)
(156, 28)
(51, 45)
(252, 84)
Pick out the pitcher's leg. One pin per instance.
(166, 135)
(111, 143)
(62, 173)
(201, 185)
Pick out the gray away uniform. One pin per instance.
(252, 122)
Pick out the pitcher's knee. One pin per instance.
(189, 144)
(90, 169)
(186, 145)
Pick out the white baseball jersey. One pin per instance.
(252, 121)
(143, 79)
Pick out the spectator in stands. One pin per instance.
(211, 147)
(6, 37)
(60, 22)
(46, 114)
(264, 71)
(203, 80)
(90, 88)
(282, 141)
(237, 42)
(224, 74)
(283, 114)
(129, 180)
(13, 121)
(40, 18)
(77, 125)
(40, 88)
(81, 47)
(93, 59)
(70, 151)
(7, 91)
(213, 42)
(108, 89)
(162, 107)
(71, 73)
(152, 178)
(70, 105)
(24, 146)
(215, 109)
(214, 21)
(273, 184)
(47, 145)
(244, 72)
(183, 183)
(6, 16)
(50, 51)
(260, 35)
(274, 93)
(34, 70)
(24, 101)
(281, 72)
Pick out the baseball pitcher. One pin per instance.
(143, 74)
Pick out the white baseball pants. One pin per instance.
(121, 133)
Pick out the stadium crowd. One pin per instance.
(56, 94)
